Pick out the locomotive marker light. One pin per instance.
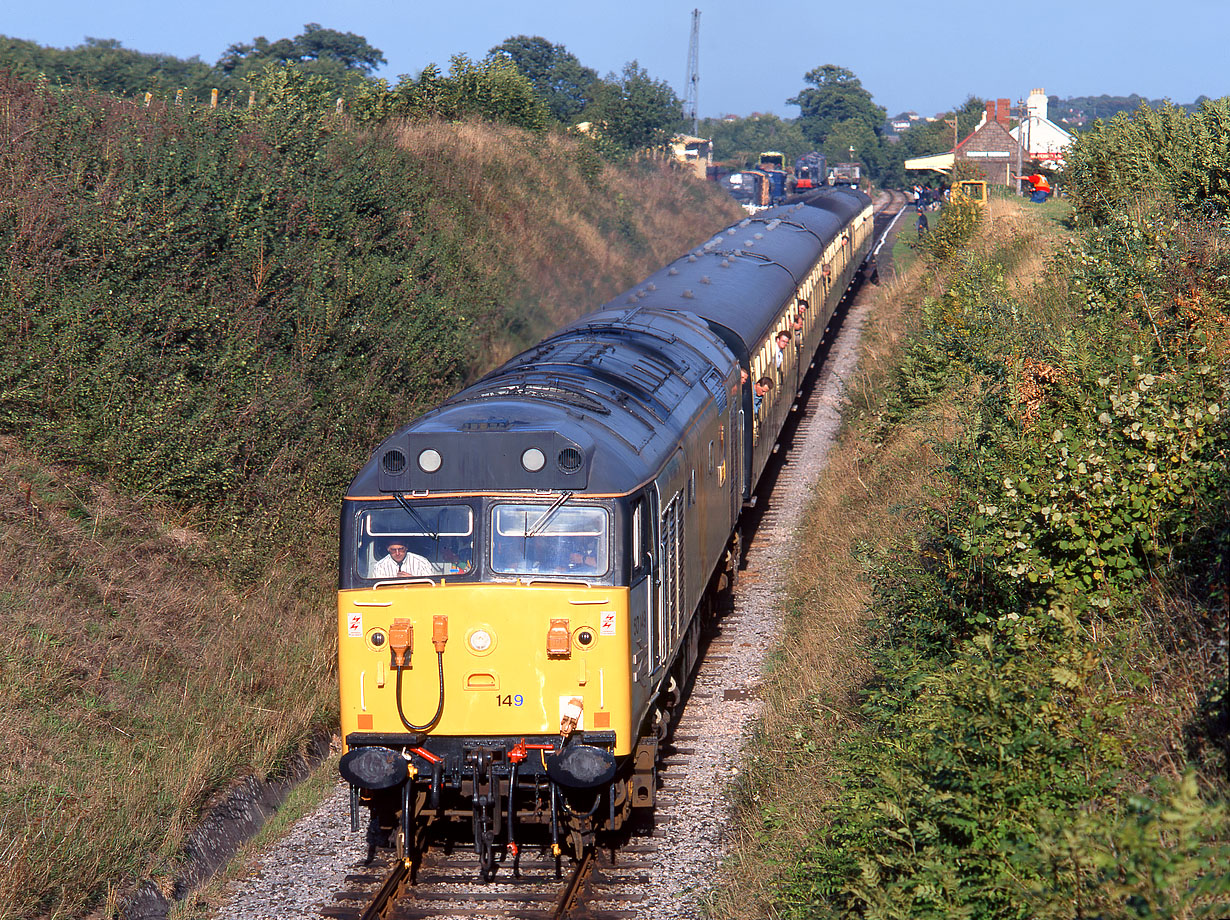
(480, 640)
(430, 460)
(533, 460)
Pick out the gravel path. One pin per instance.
(297, 876)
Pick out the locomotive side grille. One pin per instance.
(673, 589)
(713, 383)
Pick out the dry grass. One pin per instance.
(135, 684)
(812, 691)
(571, 238)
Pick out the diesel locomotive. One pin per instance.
(524, 569)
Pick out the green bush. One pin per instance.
(996, 773)
(954, 227)
(219, 311)
(1153, 155)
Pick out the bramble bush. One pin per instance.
(221, 311)
(998, 772)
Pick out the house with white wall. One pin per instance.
(1040, 138)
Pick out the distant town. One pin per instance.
(1075, 113)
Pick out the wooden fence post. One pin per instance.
(213, 98)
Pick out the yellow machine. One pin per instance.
(972, 189)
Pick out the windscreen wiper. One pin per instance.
(548, 514)
(435, 535)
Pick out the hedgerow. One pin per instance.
(1064, 617)
(214, 311)
(1152, 155)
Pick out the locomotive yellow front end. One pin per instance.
(492, 660)
(518, 572)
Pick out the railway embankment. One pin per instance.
(1002, 686)
(208, 318)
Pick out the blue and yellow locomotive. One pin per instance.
(524, 569)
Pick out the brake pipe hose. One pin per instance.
(439, 708)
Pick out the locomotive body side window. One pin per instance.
(540, 539)
(638, 543)
(441, 535)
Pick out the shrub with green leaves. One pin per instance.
(220, 311)
(996, 774)
(1152, 155)
(953, 228)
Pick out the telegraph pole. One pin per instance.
(691, 102)
(1020, 141)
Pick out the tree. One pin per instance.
(741, 141)
(343, 58)
(104, 65)
(492, 89)
(836, 95)
(350, 50)
(556, 74)
(852, 132)
(634, 111)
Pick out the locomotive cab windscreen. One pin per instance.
(441, 534)
(536, 539)
(466, 540)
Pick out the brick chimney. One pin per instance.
(990, 111)
(1002, 111)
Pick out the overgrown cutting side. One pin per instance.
(1043, 730)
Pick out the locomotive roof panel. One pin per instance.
(741, 277)
(597, 407)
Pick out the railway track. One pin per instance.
(606, 884)
(442, 879)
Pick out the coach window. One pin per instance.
(543, 539)
(443, 535)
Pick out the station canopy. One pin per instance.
(941, 162)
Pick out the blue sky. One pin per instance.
(921, 56)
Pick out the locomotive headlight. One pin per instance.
(480, 641)
(430, 460)
(533, 459)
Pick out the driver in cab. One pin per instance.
(400, 563)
